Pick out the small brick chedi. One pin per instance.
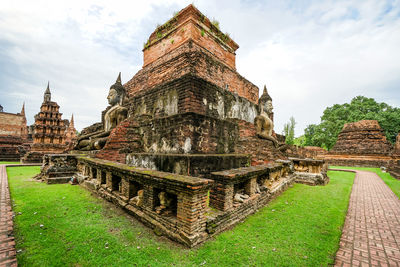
(13, 135)
(49, 131)
(177, 147)
(361, 143)
(394, 167)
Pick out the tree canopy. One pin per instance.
(360, 108)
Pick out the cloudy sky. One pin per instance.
(310, 54)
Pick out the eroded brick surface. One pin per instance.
(7, 243)
(371, 233)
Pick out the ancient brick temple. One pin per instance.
(70, 134)
(49, 135)
(186, 145)
(13, 135)
(361, 143)
(394, 166)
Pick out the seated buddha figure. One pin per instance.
(115, 114)
(264, 124)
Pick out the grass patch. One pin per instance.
(302, 227)
(392, 182)
(10, 162)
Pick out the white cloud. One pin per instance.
(310, 56)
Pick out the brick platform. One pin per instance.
(7, 243)
(371, 233)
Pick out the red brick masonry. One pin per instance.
(371, 233)
(7, 243)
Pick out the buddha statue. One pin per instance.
(263, 122)
(115, 114)
(166, 204)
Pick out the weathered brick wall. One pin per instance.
(190, 30)
(12, 124)
(124, 138)
(182, 133)
(11, 148)
(262, 151)
(357, 160)
(191, 94)
(190, 24)
(13, 134)
(193, 59)
(306, 152)
(198, 165)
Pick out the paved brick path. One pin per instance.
(7, 243)
(371, 233)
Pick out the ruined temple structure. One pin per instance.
(361, 143)
(49, 131)
(13, 135)
(394, 166)
(70, 135)
(186, 145)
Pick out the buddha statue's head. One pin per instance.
(265, 102)
(117, 93)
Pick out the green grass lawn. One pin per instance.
(10, 162)
(392, 182)
(63, 225)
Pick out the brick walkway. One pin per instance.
(7, 243)
(371, 233)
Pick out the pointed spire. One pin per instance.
(23, 109)
(47, 94)
(48, 88)
(71, 122)
(119, 78)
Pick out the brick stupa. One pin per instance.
(49, 131)
(190, 89)
(362, 138)
(394, 166)
(361, 143)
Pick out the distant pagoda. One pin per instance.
(49, 130)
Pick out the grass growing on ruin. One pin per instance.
(392, 182)
(65, 225)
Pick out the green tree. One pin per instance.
(288, 131)
(299, 141)
(360, 108)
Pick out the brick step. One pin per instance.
(58, 180)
